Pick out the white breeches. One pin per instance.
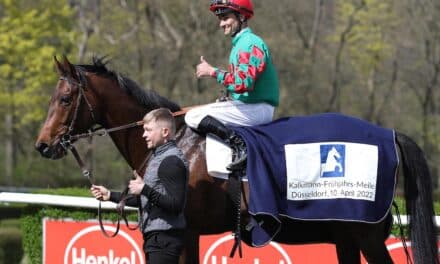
(232, 113)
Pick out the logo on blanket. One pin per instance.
(332, 160)
(331, 170)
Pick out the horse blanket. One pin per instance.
(321, 167)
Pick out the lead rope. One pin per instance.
(121, 214)
(120, 208)
(402, 236)
(66, 142)
(89, 176)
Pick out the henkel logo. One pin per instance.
(90, 246)
(218, 253)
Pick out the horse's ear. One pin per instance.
(58, 66)
(69, 68)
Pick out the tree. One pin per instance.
(378, 60)
(423, 26)
(367, 28)
(30, 35)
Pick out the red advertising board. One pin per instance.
(82, 242)
(215, 249)
(73, 242)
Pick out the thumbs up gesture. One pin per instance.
(204, 69)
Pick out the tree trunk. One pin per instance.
(9, 148)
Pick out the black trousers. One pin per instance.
(163, 247)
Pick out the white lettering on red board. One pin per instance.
(84, 258)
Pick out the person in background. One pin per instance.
(251, 80)
(161, 194)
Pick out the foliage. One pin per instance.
(378, 60)
(370, 38)
(33, 230)
(30, 35)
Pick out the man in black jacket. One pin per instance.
(161, 193)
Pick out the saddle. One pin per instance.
(218, 157)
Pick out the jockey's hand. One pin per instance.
(135, 186)
(204, 69)
(100, 192)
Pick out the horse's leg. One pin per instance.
(347, 249)
(371, 240)
(348, 252)
(190, 254)
(375, 251)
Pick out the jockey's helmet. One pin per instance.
(243, 7)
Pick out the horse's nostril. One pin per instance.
(41, 147)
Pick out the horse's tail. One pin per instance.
(419, 202)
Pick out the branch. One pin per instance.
(391, 88)
(335, 83)
(300, 31)
(166, 22)
(316, 22)
(125, 36)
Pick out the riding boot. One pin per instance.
(211, 125)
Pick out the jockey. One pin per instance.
(251, 80)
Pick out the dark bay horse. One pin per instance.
(89, 95)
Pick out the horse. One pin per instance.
(87, 95)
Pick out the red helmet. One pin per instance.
(243, 7)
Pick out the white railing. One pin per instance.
(84, 202)
(56, 200)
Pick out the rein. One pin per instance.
(67, 142)
(103, 132)
(67, 139)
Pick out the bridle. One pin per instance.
(67, 140)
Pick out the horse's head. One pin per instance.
(70, 111)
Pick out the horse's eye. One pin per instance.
(66, 100)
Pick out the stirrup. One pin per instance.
(238, 164)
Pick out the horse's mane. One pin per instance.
(148, 98)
